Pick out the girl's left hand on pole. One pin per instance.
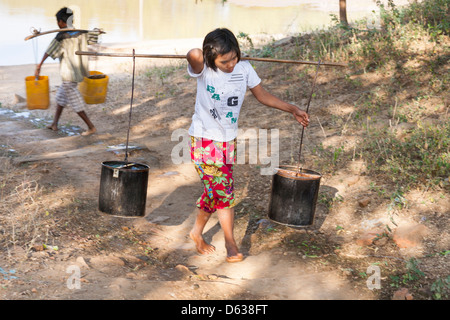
(302, 117)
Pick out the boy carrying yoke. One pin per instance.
(73, 68)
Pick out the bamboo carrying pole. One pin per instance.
(173, 56)
(37, 33)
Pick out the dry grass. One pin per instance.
(22, 218)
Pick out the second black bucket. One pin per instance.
(293, 199)
(123, 188)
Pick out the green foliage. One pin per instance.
(412, 275)
(422, 157)
(433, 15)
(441, 288)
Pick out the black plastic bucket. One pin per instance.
(294, 197)
(123, 188)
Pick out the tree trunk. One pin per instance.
(343, 12)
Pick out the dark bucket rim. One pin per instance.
(293, 169)
(105, 164)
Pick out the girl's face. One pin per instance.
(226, 62)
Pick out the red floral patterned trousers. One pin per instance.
(214, 162)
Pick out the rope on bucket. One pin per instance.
(131, 107)
(35, 50)
(303, 128)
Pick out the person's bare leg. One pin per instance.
(54, 125)
(196, 233)
(226, 219)
(91, 127)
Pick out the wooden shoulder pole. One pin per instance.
(173, 56)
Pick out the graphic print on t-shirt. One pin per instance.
(214, 113)
(227, 98)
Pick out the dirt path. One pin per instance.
(117, 274)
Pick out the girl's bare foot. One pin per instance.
(53, 127)
(237, 258)
(226, 219)
(89, 132)
(201, 245)
(233, 254)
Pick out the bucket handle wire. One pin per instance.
(131, 107)
(307, 110)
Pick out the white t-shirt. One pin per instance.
(219, 100)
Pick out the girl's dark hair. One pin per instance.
(64, 14)
(218, 42)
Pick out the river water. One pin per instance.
(147, 20)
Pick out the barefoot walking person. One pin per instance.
(222, 80)
(73, 68)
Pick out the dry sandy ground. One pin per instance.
(152, 257)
